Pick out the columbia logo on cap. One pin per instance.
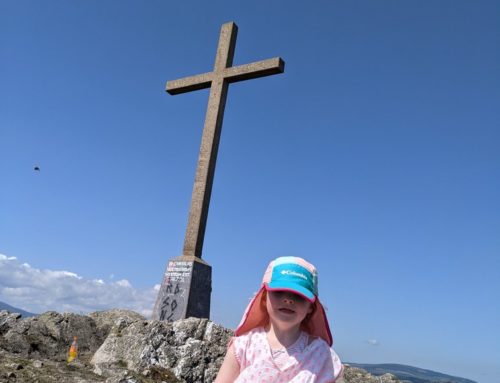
(291, 272)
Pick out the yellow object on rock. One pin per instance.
(73, 350)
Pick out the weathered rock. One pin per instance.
(104, 320)
(192, 349)
(8, 320)
(49, 335)
(119, 346)
(47, 371)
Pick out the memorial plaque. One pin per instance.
(185, 290)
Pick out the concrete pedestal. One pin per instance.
(185, 290)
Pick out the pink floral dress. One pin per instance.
(304, 361)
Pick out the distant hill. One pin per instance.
(410, 374)
(12, 309)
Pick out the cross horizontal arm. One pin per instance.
(188, 84)
(232, 74)
(254, 70)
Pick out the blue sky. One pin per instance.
(375, 156)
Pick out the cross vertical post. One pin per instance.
(202, 189)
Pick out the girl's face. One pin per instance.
(287, 308)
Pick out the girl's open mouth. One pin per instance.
(286, 311)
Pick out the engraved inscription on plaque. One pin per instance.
(175, 291)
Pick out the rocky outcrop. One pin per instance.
(191, 349)
(118, 346)
(48, 335)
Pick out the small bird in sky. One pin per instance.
(36, 169)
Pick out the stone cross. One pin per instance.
(186, 285)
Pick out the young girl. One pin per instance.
(284, 335)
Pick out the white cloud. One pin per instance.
(373, 342)
(7, 258)
(123, 283)
(38, 290)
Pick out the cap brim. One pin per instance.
(291, 287)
